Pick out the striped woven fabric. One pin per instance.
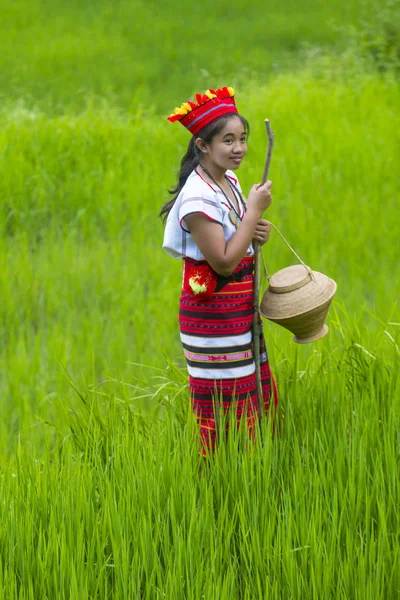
(216, 335)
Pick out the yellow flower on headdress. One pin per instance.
(184, 109)
(210, 94)
(180, 111)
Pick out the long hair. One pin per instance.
(192, 157)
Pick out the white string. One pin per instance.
(268, 277)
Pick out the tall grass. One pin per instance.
(102, 491)
(57, 52)
(119, 508)
(84, 283)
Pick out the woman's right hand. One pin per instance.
(260, 198)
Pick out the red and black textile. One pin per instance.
(216, 338)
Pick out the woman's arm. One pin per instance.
(209, 237)
(262, 230)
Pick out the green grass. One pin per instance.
(56, 53)
(100, 493)
(118, 510)
(85, 284)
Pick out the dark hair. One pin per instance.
(192, 156)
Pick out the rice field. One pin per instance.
(102, 492)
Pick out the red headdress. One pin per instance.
(210, 106)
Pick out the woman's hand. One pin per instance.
(260, 197)
(262, 231)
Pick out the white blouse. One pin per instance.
(198, 196)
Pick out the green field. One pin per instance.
(56, 53)
(100, 495)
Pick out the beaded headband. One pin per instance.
(210, 106)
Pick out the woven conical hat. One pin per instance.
(298, 299)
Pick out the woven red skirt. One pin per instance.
(216, 334)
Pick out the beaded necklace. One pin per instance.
(233, 213)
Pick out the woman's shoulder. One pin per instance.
(197, 186)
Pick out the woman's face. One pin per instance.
(228, 147)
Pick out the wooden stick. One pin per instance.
(271, 138)
(256, 293)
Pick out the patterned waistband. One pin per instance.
(236, 276)
(245, 262)
(244, 268)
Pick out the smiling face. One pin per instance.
(227, 148)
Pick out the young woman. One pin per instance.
(210, 225)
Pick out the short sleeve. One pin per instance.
(208, 206)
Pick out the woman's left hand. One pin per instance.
(261, 233)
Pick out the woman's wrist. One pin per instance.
(252, 214)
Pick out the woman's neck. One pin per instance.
(217, 174)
